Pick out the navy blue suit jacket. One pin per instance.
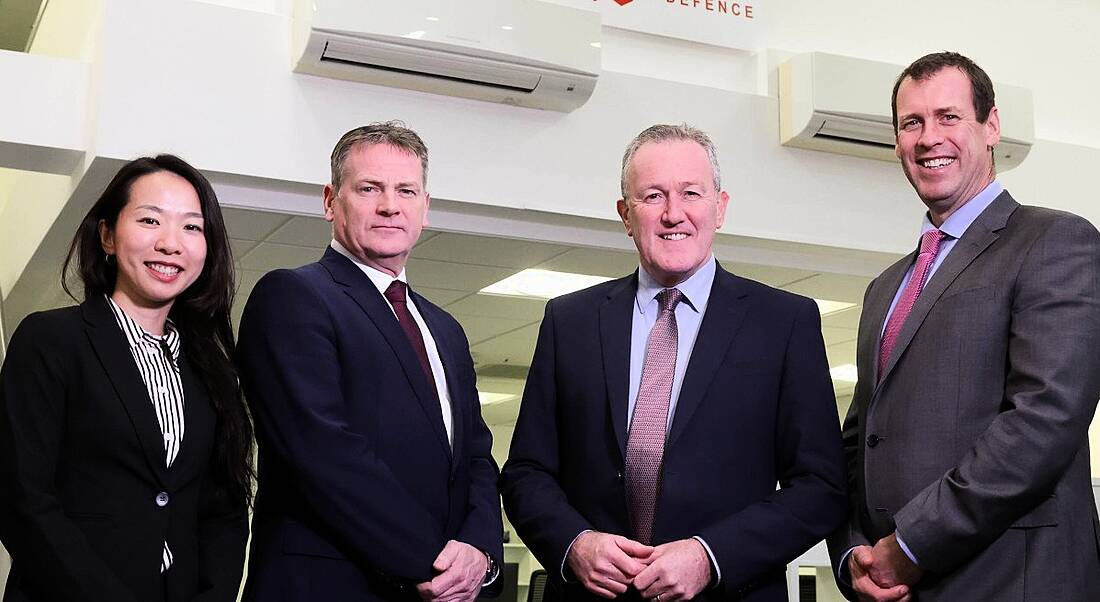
(756, 408)
(358, 488)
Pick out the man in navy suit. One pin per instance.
(376, 479)
(662, 409)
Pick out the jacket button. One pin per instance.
(619, 476)
(873, 440)
(162, 499)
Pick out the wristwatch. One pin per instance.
(491, 570)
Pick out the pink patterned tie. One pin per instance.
(929, 247)
(645, 446)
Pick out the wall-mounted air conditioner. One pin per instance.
(527, 53)
(842, 105)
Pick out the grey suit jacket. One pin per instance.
(973, 445)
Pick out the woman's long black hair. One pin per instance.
(201, 312)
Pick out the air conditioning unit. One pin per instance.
(841, 105)
(526, 53)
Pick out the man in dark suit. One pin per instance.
(662, 409)
(978, 377)
(376, 479)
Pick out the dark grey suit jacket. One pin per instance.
(973, 445)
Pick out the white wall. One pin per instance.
(212, 81)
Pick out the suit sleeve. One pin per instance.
(223, 534)
(533, 498)
(291, 372)
(56, 560)
(811, 502)
(483, 527)
(1052, 385)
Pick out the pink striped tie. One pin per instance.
(645, 446)
(929, 247)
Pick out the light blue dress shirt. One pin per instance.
(689, 315)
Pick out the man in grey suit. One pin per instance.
(979, 372)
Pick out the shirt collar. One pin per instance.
(136, 336)
(381, 280)
(958, 222)
(695, 289)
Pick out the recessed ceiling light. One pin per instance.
(507, 27)
(416, 35)
(432, 18)
(595, 44)
(826, 306)
(486, 398)
(541, 284)
(844, 373)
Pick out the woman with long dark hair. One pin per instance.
(125, 446)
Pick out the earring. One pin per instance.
(108, 257)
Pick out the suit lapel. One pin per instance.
(616, 316)
(359, 287)
(875, 310)
(118, 362)
(199, 420)
(446, 349)
(725, 311)
(982, 233)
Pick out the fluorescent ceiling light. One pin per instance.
(541, 284)
(487, 398)
(844, 373)
(416, 35)
(826, 306)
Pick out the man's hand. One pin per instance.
(605, 564)
(860, 563)
(460, 570)
(891, 565)
(677, 570)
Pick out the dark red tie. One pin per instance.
(395, 294)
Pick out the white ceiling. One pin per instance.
(450, 268)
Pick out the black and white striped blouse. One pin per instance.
(157, 360)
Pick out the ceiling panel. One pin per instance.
(847, 318)
(515, 347)
(440, 296)
(240, 247)
(836, 287)
(834, 336)
(303, 232)
(489, 251)
(841, 353)
(501, 413)
(269, 256)
(454, 276)
(770, 275)
(252, 225)
(520, 308)
(484, 328)
(595, 262)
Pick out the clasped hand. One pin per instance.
(883, 573)
(460, 571)
(608, 564)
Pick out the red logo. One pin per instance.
(623, 2)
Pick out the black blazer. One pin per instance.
(82, 462)
(359, 489)
(756, 407)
